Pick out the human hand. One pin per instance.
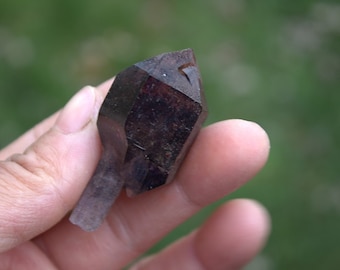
(41, 184)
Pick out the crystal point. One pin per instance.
(147, 123)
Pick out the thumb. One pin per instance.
(38, 187)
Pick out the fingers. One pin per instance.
(224, 156)
(242, 227)
(231, 237)
(20, 145)
(25, 256)
(39, 186)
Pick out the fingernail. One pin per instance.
(78, 111)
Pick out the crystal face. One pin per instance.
(147, 123)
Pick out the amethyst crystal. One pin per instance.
(147, 123)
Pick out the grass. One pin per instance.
(273, 62)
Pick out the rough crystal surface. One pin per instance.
(147, 123)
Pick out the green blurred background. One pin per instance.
(273, 62)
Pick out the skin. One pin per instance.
(43, 173)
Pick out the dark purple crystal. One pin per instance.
(147, 122)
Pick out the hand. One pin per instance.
(41, 184)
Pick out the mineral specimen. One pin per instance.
(147, 122)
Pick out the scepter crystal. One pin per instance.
(147, 123)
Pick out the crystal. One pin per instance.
(147, 123)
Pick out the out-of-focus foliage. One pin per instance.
(273, 62)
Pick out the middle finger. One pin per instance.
(224, 156)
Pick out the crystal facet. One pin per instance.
(147, 123)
